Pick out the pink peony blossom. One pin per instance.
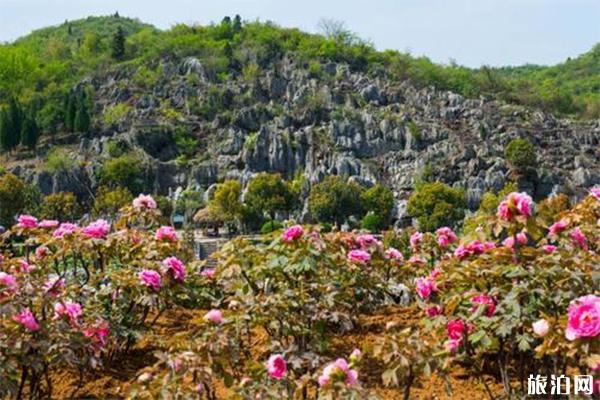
(27, 221)
(98, 334)
(27, 319)
(452, 345)
(558, 226)
(214, 316)
(425, 287)
(416, 239)
(355, 356)
(515, 204)
(445, 236)
(208, 273)
(151, 279)
(338, 371)
(176, 267)
(455, 329)
(144, 201)
(48, 224)
(486, 301)
(69, 309)
(394, 254)
(595, 191)
(510, 241)
(293, 233)
(8, 281)
(434, 311)
(583, 318)
(41, 252)
(366, 241)
(548, 248)
(54, 286)
(416, 259)
(276, 366)
(66, 228)
(359, 256)
(475, 247)
(579, 238)
(24, 267)
(166, 233)
(97, 229)
(541, 327)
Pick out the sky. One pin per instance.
(469, 32)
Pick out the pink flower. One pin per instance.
(510, 241)
(293, 233)
(425, 286)
(98, 333)
(54, 286)
(366, 241)
(548, 248)
(41, 252)
(208, 273)
(558, 227)
(435, 273)
(541, 327)
(434, 311)
(415, 240)
(452, 345)
(487, 246)
(276, 366)
(69, 309)
(595, 191)
(176, 267)
(488, 303)
(579, 238)
(66, 228)
(338, 371)
(27, 221)
(8, 281)
(455, 329)
(27, 319)
(445, 236)
(359, 256)
(393, 254)
(515, 204)
(166, 233)
(416, 259)
(97, 229)
(48, 224)
(214, 316)
(584, 318)
(144, 201)
(355, 356)
(475, 247)
(24, 266)
(151, 279)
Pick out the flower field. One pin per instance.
(122, 309)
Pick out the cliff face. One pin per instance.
(331, 121)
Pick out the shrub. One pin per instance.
(61, 206)
(334, 200)
(269, 193)
(12, 198)
(435, 205)
(109, 201)
(271, 226)
(59, 160)
(116, 114)
(372, 222)
(379, 200)
(123, 171)
(520, 153)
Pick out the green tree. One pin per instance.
(188, 203)
(334, 200)
(70, 112)
(118, 44)
(520, 153)
(82, 116)
(122, 171)
(436, 204)
(379, 200)
(269, 193)
(109, 201)
(12, 198)
(226, 204)
(60, 206)
(237, 24)
(30, 132)
(11, 125)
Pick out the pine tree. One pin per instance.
(237, 24)
(82, 117)
(16, 121)
(4, 130)
(118, 44)
(30, 132)
(70, 112)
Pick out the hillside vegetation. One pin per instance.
(42, 67)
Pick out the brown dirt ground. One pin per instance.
(114, 381)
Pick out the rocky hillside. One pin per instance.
(190, 124)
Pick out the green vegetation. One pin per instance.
(520, 153)
(436, 204)
(378, 201)
(269, 193)
(60, 206)
(226, 204)
(334, 200)
(124, 171)
(12, 198)
(109, 201)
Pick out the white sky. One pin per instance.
(472, 32)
